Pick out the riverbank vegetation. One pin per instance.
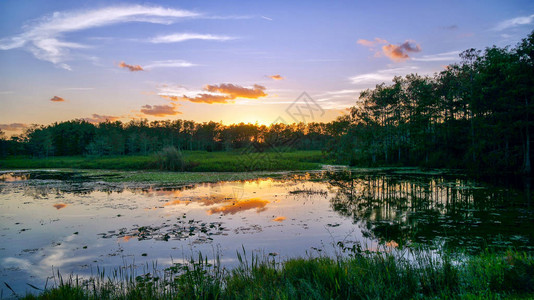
(172, 160)
(362, 275)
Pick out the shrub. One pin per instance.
(170, 159)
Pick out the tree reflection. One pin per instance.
(435, 210)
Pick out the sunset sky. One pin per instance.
(229, 61)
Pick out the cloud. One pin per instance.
(373, 43)
(160, 110)
(266, 18)
(222, 93)
(446, 56)
(236, 91)
(206, 98)
(96, 118)
(400, 52)
(132, 68)
(396, 53)
(381, 75)
(451, 27)
(177, 63)
(276, 77)
(343, 92)
(182, 37)
(13, 126)
(57, 99)
(78, 89)
(43, 36)
(515, 22)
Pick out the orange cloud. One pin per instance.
(96, 118)
(276, 77)
(396, 53)
(132, 68)
(279, 219)
(400, 52)
(57, 99)
(209, 98)
(236, 91)
(238, 206)
(373, 43)
(160, 110)
(59, 206)
(222, 93)
(13, 126)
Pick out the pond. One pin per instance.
(55, 221)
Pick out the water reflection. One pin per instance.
(59, 206)
(452, 213)
(393, 209)
(53, 220)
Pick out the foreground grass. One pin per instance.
(199, 161)
(362, 276)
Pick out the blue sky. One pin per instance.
(230, 61)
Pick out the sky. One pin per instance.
(227, 61)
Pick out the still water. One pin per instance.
(50, 223)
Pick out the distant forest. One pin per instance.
(475, 114)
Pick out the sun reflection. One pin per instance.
(279, 219)
(392, 244)
(59, 206)
(126, 238)
(9, 177)
(238, 206)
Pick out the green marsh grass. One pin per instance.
(195, 161)
(409, 274)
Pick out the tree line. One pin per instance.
(475, 114)
(79, 137)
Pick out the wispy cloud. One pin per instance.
(396, 53)
(373, 43)
(511, 23)
(266, 18)
(381, 75)
(57, 99)
(343, 92)
(132, 68)
(43, 37)
(13, 126)
(450, 27)
(78, 89)
(160, 110)
(96, 118)
(222, 93)
(276, 77)
(176, 63)
(447, 56)
(182, 37)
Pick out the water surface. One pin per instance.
(50, 222)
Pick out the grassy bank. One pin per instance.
(198, 161)
(362, 276)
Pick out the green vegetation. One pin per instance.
(195, 161)
(363, 275)
(170, 159)
(475, 115)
